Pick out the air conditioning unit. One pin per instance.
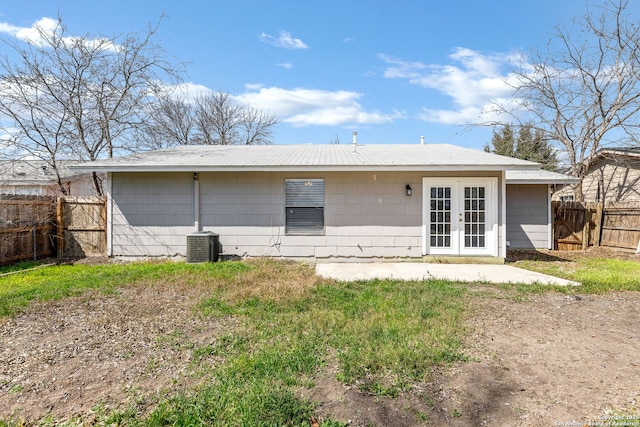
(203, 246)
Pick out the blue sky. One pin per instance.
(390, 70)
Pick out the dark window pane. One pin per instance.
(481, 217)
(440, 241)
(447, 205)
(481, 192)
(467, 192)
(481, 205)
(433, 240)
(433, 192)
(433, 217)
(481, 241)
(447, 192)
(447, 242)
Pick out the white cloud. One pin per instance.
(189, 90)
(284, 40)
(474, 82)
(286, 65)
(303, 107)
(47, 27)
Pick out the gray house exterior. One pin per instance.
(327, 201)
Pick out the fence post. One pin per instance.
(554, 211)
(60, 228)
(586, 227)
(598, 221)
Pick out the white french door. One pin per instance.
(460, 216)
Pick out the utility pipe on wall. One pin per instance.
(196, 201)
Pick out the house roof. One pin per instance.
(328, 157)
(538, 177)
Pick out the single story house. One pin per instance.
(327, 201)
(613, 175)
(37, 177)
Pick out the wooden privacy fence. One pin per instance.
(35, 227)
(82, 227)
(578, 225)
(27, 227)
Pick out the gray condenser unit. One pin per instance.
(203, 246)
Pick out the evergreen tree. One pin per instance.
(526, 144)
(502, 142)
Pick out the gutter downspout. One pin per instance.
(109, 232)
(196, 202)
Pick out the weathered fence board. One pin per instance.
(34, 227)
(580, 225)
(83, 227)
(26, 226)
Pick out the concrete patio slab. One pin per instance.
(423, 271)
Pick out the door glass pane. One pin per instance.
(440, 217)
(474, 215)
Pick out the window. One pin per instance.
(304, 207)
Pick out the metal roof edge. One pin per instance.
(300, 168)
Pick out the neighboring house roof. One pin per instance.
(32, 172)
(331, 157)
(620, 151)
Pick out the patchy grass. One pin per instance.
(19, 266)
(18, 290)
(597, 275)
(386, 336)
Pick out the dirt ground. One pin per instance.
(550, 360)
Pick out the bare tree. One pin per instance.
(210, 119)
(217, 119)
(79, 97)
(584, 90)
(171, 122)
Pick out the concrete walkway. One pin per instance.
(421, 271)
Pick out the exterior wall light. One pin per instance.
(407, 190)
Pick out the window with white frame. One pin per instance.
(304, 207)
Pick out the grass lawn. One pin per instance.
(384, 336)
(597, 274)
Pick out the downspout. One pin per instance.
(196, 201)
(502, 250)
(549, 213)
(109, 214)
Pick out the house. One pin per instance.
(327, 201)
(37, 177)
(613, 175)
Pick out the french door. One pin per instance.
(460, 216)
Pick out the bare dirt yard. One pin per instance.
(547, 360)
